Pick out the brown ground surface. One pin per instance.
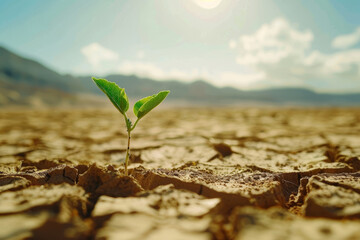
(195, 174)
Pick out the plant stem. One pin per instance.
(127, 154)
(132, 128)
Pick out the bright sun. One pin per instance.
(207, 4)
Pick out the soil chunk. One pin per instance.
(47, 211)
(275, 223)
(336, 196)
(159, 214)
(101, 181)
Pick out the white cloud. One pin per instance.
(282, 54)
(272, 43)
(105, 61)
(347, 41)
(343, 62)
(151, 70)
(232, 44)
(97, 54)
(226, 78)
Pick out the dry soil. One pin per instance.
(250, 173)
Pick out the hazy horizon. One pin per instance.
(242, 44)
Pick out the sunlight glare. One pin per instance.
(207, 4)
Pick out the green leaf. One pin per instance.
(145, 105)
(116, 94)
(141, 102)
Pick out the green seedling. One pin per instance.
(120, 100)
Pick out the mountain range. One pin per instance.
(25, 82)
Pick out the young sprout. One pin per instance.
(120, 100)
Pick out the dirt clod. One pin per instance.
(101, 181)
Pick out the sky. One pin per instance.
(247, 44)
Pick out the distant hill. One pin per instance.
(26, 82)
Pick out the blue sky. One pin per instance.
(245, 44)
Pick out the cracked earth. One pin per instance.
(269, 173)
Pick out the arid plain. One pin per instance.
(232, 173)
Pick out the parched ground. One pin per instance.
(195, 174)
